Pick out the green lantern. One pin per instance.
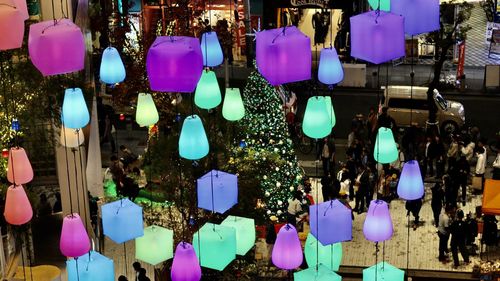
(385, 150)
(245, 233)
(329, 256)
(383, 271)
(317, 121)
(207, 94)
(233, 108)
(215, 245)
(321, 274)
(156, 246)
(331, 111)
(385, 5)
(146, 113)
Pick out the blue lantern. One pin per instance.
(330, 69)
(15, 125)
(243, 144)
(211, 49)
(317, 253)
(75, 114)
(414, 11)
(112, 69)
(215, 245)
(217, 191)
(122, 220)
(383, 271)
(331, 222)
(193, 142)
(91, 267)
(321, 274)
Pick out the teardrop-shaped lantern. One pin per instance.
(211, 49)
(317, 122)
(385, 150)
(233, 108)
(146, 113)
(193, 142)
(207, 95)
(411, 185)
(330, 69)
(19, 169)
(75, 114)
(287, 251)
(18, 209)
(378, 222)
(12, 27)
(71, 137)
(112, 70)
(185, 266)
(331, 111)
(74, 238)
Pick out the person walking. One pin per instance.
(437, 201)
(413, 207)
(444, 234)
(458, 235)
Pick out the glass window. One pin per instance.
(441, 102)
(408, 104)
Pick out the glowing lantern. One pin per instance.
(112, 70)
(414, 11)
(215, 245)
(217, 191)
(22, 6)
(193, 142)
(284, 55)
(185, 266)
(71, 137)
(74, 240)
(385, 5)
(245, 233)
(211, 49)
(18, 209)
(157, 245)
(317, 120)
(329, 256)
(378, 222)
(311, 274)
(331, 222)
(75, 114)
(122, 220)
(146, 113)
(56, 48)
(330, 69)
(12, 26)
(385, 150)
(174, 64)
(411, 185)
(207, 95)
(377, 38)
(383, 271)
(91, 267)
(19, 169)
(331, 111)
(287, 251)
(5, 153)
(233, 108)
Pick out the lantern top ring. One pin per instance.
(56, 22)
(8, 5)
(284, 28)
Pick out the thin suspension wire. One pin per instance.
(29, 258)
(67, 167)
(76, 182)
(317, 219)
(22, 258)
(85, 195)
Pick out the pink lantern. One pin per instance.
(11, 26)
(284, 55)
(378, 222)
(185, 266)
(56, 48)
(19, 169)
(74, 238)
(18, 209)
(287, 251)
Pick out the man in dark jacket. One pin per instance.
(463, 170)
(458, 235)
(437, 201)
(363, 184)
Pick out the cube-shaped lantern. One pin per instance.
(321, 274)
(56, 48)
(245, 233)
(329, 256)
(217, 191)
(12, 27)
(122, 220)
(284, 55)
(331, 222)
(383, 271)
(174, 64)
(155, 246)
(215, 245)
(414, 11)
(91, 267)
(377, 37)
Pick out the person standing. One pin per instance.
(440, 157)
(452, 152)
(363, 186)
(137, 268)
(458, 235)
(437, 201)
(142, 275)
(463, 170)
(413, 207)
(430, 155)
(444, 234)
(481, 163)
(327, 155)
(294, 208)
(108, 133)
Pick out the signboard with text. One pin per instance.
(240, 27)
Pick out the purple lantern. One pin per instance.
(414, 11)
(378, 222)
(287, 251)
(185, 266)
(12, 27)
(174, 64)
(411, 185)
(217, 191)
(56, 48)
(284, 55)
(74, 240)
(377, 37)
(331, 222)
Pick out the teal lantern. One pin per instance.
(329, 256)
(317, 122)
(75, 114)
(385, 150)
(233, 108)
(112, 70)
(207, 94)
(215, 245)
(383, 271)
(211, 49)
(91, 267)
(321, 274)
(331, 111)
(245, 233)
(156, 246)
(193, 142)
(146, 113)
(385, 5)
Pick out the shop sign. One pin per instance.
(461, 60)
(317, 3)
(240, 27)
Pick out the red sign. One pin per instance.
(461, 60)
(240, 28)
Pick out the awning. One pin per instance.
(491, 197)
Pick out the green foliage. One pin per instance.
(489, 9)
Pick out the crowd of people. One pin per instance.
(126, 173)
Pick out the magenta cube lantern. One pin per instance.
(377, 37)
(56, 48)
(11, 26)
(174, 64)
(331, 222)
(284, 55)
(421, 16)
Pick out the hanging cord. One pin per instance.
(4, 91)
(22, 259)
(76, 181)
(77, 270)
(125, 257)
(317, 219)
(53, 13)
(85, 190)
(29, 257)
(182, 201)
(14, 107)
(67, 167)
